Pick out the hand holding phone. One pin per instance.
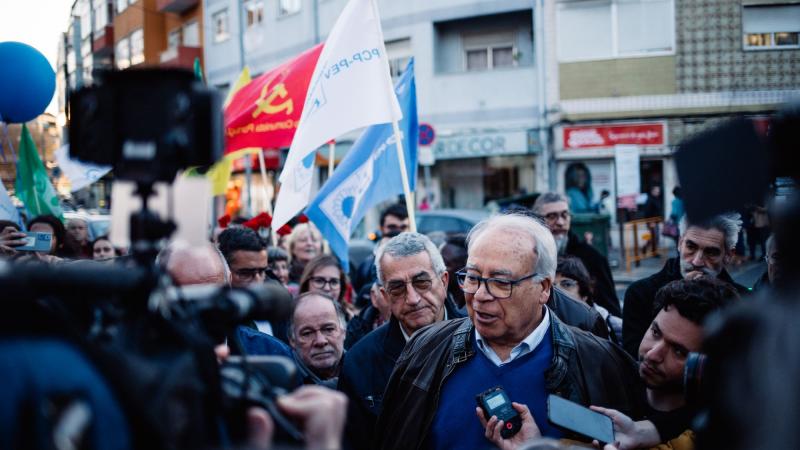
(11, 239)
(36, 241)
(579, 419)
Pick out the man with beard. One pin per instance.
(705, 249)
(553, 209)
(677, 330)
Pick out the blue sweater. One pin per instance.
(455, 425)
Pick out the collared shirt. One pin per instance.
(523, 348)
(406, 336)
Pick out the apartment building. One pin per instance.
(650, 73)
(166, 33)
(475, 74)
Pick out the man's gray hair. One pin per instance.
(302, 298)
(547, 198)
(545, 245)
(729, 224)
(409, 244)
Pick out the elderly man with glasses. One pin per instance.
(413, 282)
(553, 209)
(511, 339)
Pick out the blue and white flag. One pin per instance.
(7, 209)
(369, 174)
(80, 174)
(350, 88)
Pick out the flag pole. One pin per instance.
(264, 180)
(412, 220)
(331, 155)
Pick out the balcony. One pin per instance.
(175, 6)
(103, 42)
(180, 56)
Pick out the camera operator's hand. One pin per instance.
(10, 238)
(260, 429)
(630, 434)
(493, 427)
(322, 413)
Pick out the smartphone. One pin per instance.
(495, 402)
(36, 241)
(579, 419)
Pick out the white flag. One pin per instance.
(7, 209)
(351, 88)
(80, 174)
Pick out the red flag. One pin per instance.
(265, 113)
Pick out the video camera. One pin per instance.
(152, 342)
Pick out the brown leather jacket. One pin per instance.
(585, 369)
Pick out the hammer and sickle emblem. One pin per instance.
(264, 103)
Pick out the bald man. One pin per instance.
(195, 265)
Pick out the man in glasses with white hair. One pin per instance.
(511, 338)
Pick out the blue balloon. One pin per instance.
(27, 82)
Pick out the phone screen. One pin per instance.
(579, 419)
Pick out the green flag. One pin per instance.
(198, 70)
(32, 185)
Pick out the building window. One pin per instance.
(287, 7)
(122, 53)
(103, 14)
(488, 51)
(602, 29)
(399, 53)
(191, 34)
(174, 38)
(254, 11)
(84, 9)
(121, 5)
(771, 27)
(220, 23)
(137, 47)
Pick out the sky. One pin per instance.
(37, 23)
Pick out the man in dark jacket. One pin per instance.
(553, 208)
(413, 280)
(704, 249)
(510, 338)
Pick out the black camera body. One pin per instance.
(495, 402)
(146, 123)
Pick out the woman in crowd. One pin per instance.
(102, 250)
(304, 244)
(573, 278)
(324, 274)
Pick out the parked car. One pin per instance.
(449, 220)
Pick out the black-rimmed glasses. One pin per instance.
(498, 288)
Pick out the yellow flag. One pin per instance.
(220, 173)
(243, 80)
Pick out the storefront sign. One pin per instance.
(481, 145)
(626, 160)
(643, 134)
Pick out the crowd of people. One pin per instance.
(394, 351)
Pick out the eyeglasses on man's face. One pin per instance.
(397, 288)
(251, 273)
(499, 288)
(554, 216)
